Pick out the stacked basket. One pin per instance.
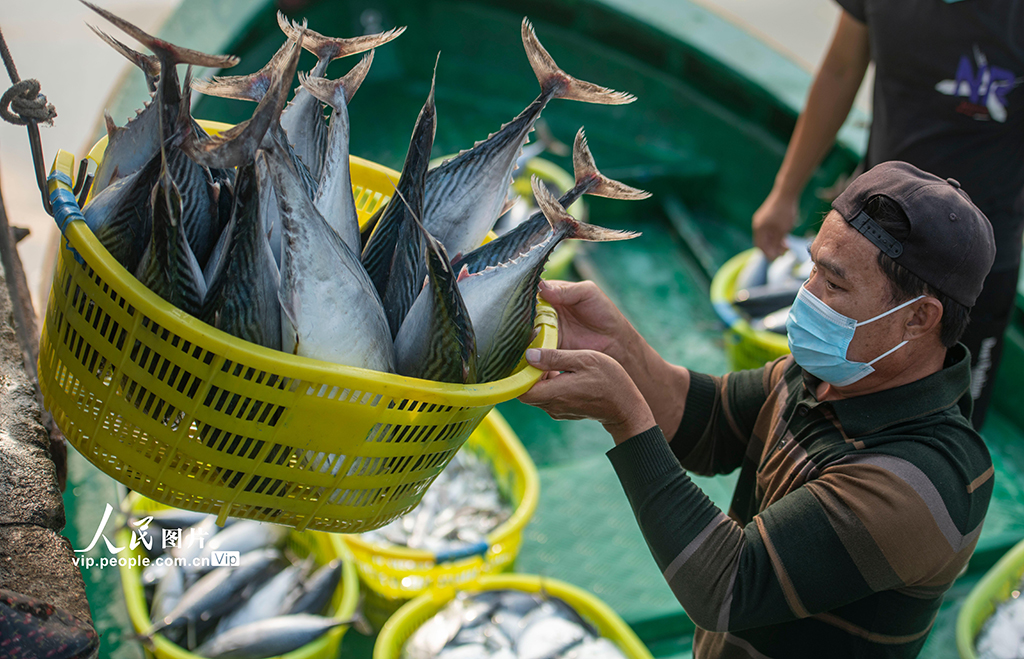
(393, 575)
(194, 418)
(302, 544)
(408, 619)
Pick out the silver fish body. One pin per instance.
(330, 308)
(334, 197)
(121, 217)
(268, 638)
(242, 297)
(465, 195)
(315, 593)
(265, 602)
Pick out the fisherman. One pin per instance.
(947, 98)
(862, 485)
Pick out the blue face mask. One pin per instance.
(819, 337)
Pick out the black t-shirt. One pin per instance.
(949, 98)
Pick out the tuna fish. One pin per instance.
(303, 119)
(394, 256)
(334, 197)
(330, 308)
(502, 299)
(465, 195)
(534, 230)
(436, 341)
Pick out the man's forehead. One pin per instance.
(841, 248)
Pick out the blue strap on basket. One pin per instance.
(475, 549)
(65, 208)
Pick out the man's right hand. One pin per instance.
(587, 319)
(773, 221)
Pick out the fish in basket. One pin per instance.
(223, 336)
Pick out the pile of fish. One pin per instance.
(508, 624)
(271, 603)
(461, 507)
(255, 230)
(765, 291)
(1002, 635)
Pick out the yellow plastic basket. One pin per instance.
(998, 585)
(343, 604)
(392, 575)
(194, 418)
(745, 347)
(608, 623)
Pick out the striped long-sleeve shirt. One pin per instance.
(850, 518)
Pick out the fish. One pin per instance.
(394, 256)
(334, 197)
(436, 340)
(303, 119)
(244, 278)
(30, 628)
(254, 87)
(168, 267)
(330, 310)
(759, 301)
(268, 638)
(121, 217)
(315, 593)
(130, 147)
(508, 624)
(462, 506)
(265, 602)
(588, 180)
(502, 299)
(465, 195)
(215, 592)
(169, 590)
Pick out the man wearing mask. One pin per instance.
(862, 486)
(947, 98)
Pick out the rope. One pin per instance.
(27, 108)
(26, 104)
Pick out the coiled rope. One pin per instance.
(23, 105)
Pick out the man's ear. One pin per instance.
(927, 318)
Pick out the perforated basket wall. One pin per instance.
(392, 575)
(308, 543)
(608, 623)
(195, 418)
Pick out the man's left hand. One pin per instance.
(585, 384)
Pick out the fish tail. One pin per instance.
(331, 48)
(562, 222)
(149, 64)
(241, 88)
(598, 184)
(340, 91)
(165, 49)
(559, 84)
(237, 145)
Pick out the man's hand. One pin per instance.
(772, 222)
(587, 319)
(585, 384)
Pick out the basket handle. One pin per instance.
(475, 549)
(62, 197)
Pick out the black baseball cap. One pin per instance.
(950, 244)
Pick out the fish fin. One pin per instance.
(560, 219)
(237, 145)
(331, 48)
(112, 128)
(336, 92)
(463, 273)
(560, 84)
(150, 64)
(585, 170)
(509, 203)
(252, 87)
(177, 54)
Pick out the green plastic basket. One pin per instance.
(995, 587)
